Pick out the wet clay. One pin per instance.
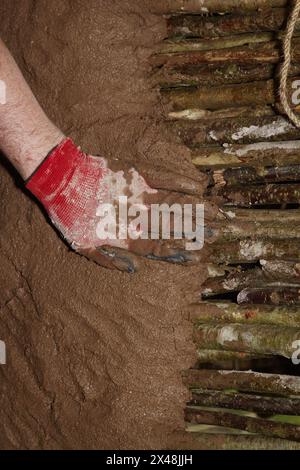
(93, 356)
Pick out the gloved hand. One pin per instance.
(75, 187)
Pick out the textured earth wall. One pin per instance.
(93, 356)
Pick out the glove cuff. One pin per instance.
(54, 172)
(51, 183)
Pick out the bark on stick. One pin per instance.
(249, 424)
(258, 339)
(267, 53)
(281, 385)
(170, 46)
(216, 74)
(234, 281)
(213, 356)
(244, 130)
(264, 94)
(237, 230)
(249, 251)
(285, 270)
(251, 94)
(257, 154)
(271, 194)
(283, 295)
(263, 215)
(219, 440)
(197, 114)
(215, 6)
(187, 55)
(233, 177)
(226, 25)
(223, 313)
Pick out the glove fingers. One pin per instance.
(112, 258)
(171, 251)
(161, 178)
(172, 197)
(175, 182)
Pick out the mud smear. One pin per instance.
(94, 356)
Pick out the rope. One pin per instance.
(284, 72)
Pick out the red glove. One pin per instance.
(72, 186)
(66, 183)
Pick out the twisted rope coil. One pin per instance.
(287, 46)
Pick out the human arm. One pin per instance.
(73, 186)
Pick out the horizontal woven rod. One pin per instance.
(238, 279)
(241, 130)
(272, 230)
(212, 6)
(276, 295)
(260, 153)
(221, 441)
(261, 215)
(238, 177)
(250, 251)
(258, 195)
(258, 339)
(249, 424)
(216, 356)
(268, 53)
(217, 74)
(247, 402)
(186, 55)
(170, 46)
(277, 269)
(261, 93)
(247, 381)
(198, 114)
(256, 22)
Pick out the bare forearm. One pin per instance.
(26, 133)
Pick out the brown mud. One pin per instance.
(93, 356)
